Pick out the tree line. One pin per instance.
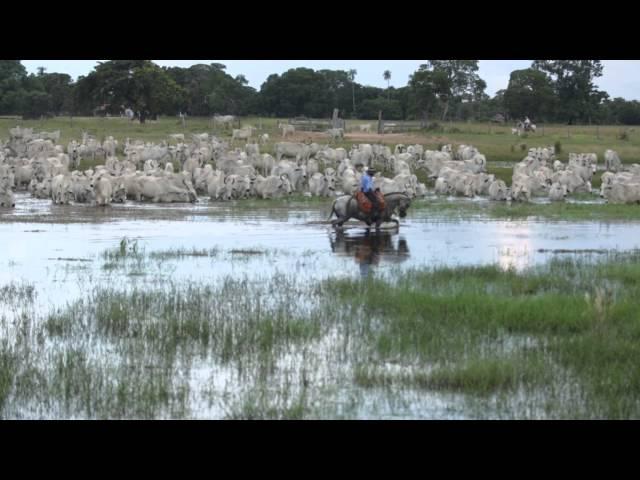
(555, 91)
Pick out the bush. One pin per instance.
(558, 147)
(434, 127)
(454, 130)
(624, 136)
(513, 148)
(523, 146)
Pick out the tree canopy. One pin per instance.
(550, 90)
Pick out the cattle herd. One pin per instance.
(177, 171)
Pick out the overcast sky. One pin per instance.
(621, 78)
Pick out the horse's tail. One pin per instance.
(333, 210)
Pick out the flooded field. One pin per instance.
(223, 311)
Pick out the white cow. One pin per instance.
(82, 189)
(163, 189)
(622, 193)
(103, 191)
(215, 184)
(273, 186)
(443, 187)
(299, 151)
(62, 189)
(6, 194)
(612, 161)
(336, 133)
(223, 120)
(557, 192)
(242, 134)
(286, 129)
(321, 185)
(109, 146)
(498, 190)
(297, 174)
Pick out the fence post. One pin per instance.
(568, 131)
(380, 126)
(598, 132)
(543, 129)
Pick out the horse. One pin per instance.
(346, 207)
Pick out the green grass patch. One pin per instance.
(582, 316)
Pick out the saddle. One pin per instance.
(365, 205)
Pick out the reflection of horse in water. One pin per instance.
(370, 249)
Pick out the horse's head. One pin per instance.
(404, 202)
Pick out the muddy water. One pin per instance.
(54, 247)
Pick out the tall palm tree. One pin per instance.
(352, 76)
(387, 77)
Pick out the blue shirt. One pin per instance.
(366, 183)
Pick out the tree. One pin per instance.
(12, 76)
(529, 93)
(337, 82)
(423, 87)
(387, 76)
(572, 81)
(301, 91)
(620, 111)
(450, 81)
(138, 84)
(209, 89)
(352, 76)
(370, 107)
(59, 87)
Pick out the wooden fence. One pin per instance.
(315, 124)
(396, 126)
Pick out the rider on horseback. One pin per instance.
(366, 186)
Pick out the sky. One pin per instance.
(621, 78)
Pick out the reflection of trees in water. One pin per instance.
(371, 248)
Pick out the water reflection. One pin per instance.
(369, 249)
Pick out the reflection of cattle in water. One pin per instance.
(370, 249)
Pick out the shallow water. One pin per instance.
(59, 250)
(53, 254)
